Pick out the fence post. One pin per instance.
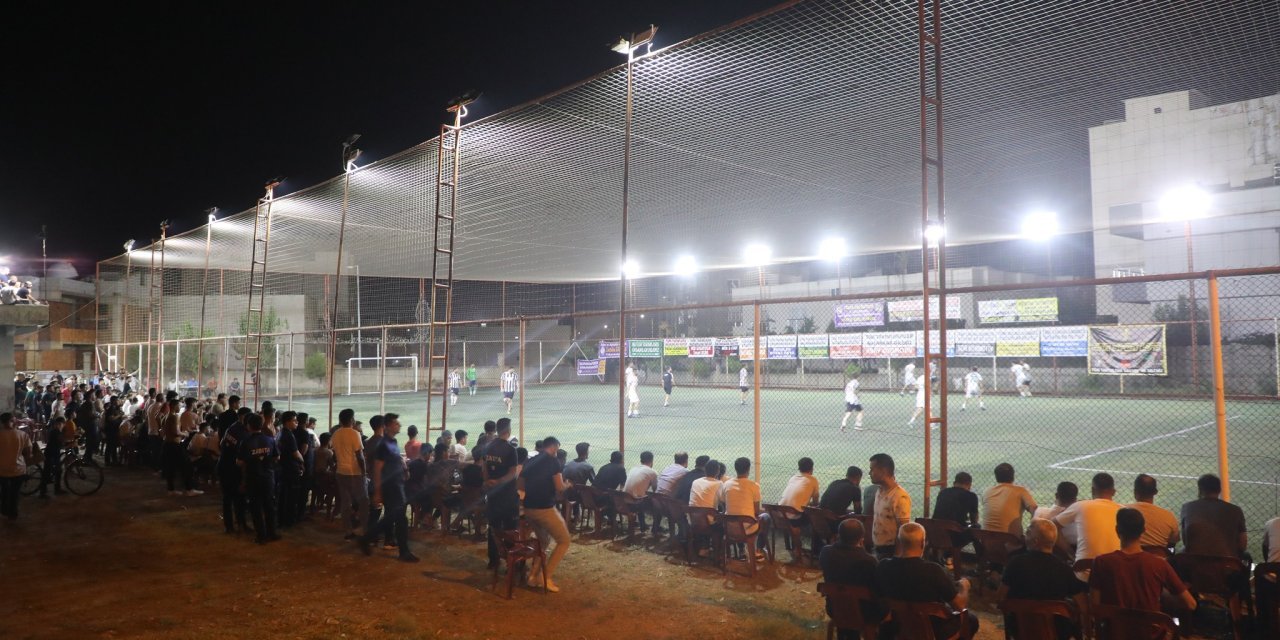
(755, 383)
(291, 367)
(523, 386)
(382, 373)
(1219, 384)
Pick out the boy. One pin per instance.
(851, 404)
(973, 389)
(509, 385)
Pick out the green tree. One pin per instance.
(189, 356)
(271, 323)
(1178, 316)
(316, 366)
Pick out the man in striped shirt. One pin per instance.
(509, 385)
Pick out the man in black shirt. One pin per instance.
(685, 486)
(844, 495)
(847, 562)
(291, 462)
(578, 471)
(910, 577)
(503, 503)
(958, 503)
(542, 483)
(1038, 575)
(228, 417)
(229, 472)
(257, 458)
(388, 492)
(611, 476)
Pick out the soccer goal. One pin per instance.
(364, 375)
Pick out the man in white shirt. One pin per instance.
(1064, 497)
(705, 491)
(908, 379)
(1161, 525)
(455, 384)
(461, 452)
(1271, 540)
(509, 383)
(851, 404)
(892, 505)
(742, 384)
(741, 497)
(802, 489)
(640, 481)
(1022, 378)
(632, 381)
(1094, 522)
(670, 477)
(1003, 504)
(973, 389)
(920, 387)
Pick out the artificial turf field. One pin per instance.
(1047, 439)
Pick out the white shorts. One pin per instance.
(908, 380)
(919, 404)
(632, 396)
(972, 393)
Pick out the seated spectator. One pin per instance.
(958, 503)
(578, 471)
(1038, 575)
(705, 491)
(1161, 524)
(642, 480)
(1003, 504)
(844, 495)
(801, 490)
(1210, 526)
(1064, 497)
(847, 562)
(670, 476)
(1271, 540)
(911, 578)
(461, 452)
(1093, 522)
(1134, 579)
(685, 486)
(611, 476)
(741, 497)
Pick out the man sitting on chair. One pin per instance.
(1038, 575)
(847, 562)
(909, 577)
(1134, 579)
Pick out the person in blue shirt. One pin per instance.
(258, 457)
(229, 473)
(291, 468)
(388, 491)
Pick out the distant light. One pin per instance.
(606, 326)
(757, 255)
(484, 324)
(642, 316)
(1184, 203)
(686, 266)
(630, 269)
(128, 246)
(4, 271)
(1040, 226)
(832, 249)
(934, 232)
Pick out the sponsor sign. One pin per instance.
(1021, 310)
(889, 344)
(675, 347)
(702, 347)
(644, 348)
(860, 314)
(781, 347)
(590, 367)
(609, 350)
(1064, 341)
(747, 347)
(845, 345)
(815, 347)
(913, 310)
(1019, 343)
(727, 347)
(1128, 350)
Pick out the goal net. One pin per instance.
(367, 374)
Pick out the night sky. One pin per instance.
(114, 118)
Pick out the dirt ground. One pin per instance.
(132, 562)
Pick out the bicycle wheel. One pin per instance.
(82, 478)
(31, 483)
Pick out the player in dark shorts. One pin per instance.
(668, 381)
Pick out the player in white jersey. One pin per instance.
(742, 383)
(920, 387)
(1022, 378)
(973, 389)
(633, 392)
(908, 377)
(455, 384)
(509, 383)
(851, 404)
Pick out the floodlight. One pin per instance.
(460, 103)
(686, 266)
(832, 249)
(213, 214)
(630, 269)
(128, 246)
(757, 255)
(350, 152)
(934, 232)
(1184, 203)
(1040, 226)
(627, 45)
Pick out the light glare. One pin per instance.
(934, 232)
(686, 266)
(630, 269)
(1184, 203)
(1040, 226)
(832, 249)
(757, 255)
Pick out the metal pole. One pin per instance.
(523, 387)
(1191, 298)
(277, 346)
(622, 282)
(755, 384)
(1219, 386)
(540, 380)
(291, 367)
(382, 366)
(337, 285)
(164, 234)
(204, 295)
(359, 321)
(1275, 338)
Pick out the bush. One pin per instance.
(852, 369)
(316, 366)
(700, 369)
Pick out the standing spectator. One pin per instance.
(892, 507)
(641, 480)
(307, 444)
(1271, 540)
(291, 468)
(802, 489)
(1161, 525)
(1210, 526)
(911, 578)
(1093, 522)
(51, 473)
(388, 492)
(489, 433)
(15, 451)
(741, 497)
(413, 447)
(578, 471)
(111, 424)
(175, 456)
(230, 475)
(87, 419)
(1038, 575)
(844, 495)
(257, 458)
(348, 452)
(611, 476)
(670, 476)
(847, 562)
(958, 503)
(1003, 504)
(1132, 578)
(503, 502)
(541, 481)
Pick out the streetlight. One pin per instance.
(686, 266)
(833, 249)
(1186, 203)
(1042, 226)
(934, 232)
(204, 292)
(758, 255)
(350, 152)
(359, 324)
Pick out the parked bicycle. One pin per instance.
(79, 476)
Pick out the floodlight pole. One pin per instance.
(929, 32)
(622, 288)
(204, 295)
(1191, 300)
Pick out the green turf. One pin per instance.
(1048, 439)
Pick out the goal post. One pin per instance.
(401, 383)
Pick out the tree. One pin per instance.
(1178, 317)
(271, 323)
(189, 355)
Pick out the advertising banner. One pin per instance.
(590, 367)
(747, 348)
(845, 345)
(1128, 350)
(889, 344)
(934, 340)
(972, 343)
(1021, 310)
(814, 347)
(675, 347)
(913, 310)
(781, 347)
(727, 347)
(644, 348)
(702, 347)
(1064, 341)
(1020, 343)
(859, 314)
(609, 350)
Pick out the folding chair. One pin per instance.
(1118, 623)
(844, 606)
(1036, 619)
(1266, 587)
(941, 537)
(735, 533)
(781, 521)
(516, 546)
(1216, 579)
(703, 522)
(993, 549)
(915, 620)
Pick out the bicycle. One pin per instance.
(79, 476)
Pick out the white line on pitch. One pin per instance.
(1122, 447)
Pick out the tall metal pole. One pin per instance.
(359, 320)
(1191, 299)
(623, 281)
(523, 387)
(204, 295)
(337, 285)
(164, 235)
(1219, 386)
(755, 384)
(929, 31)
